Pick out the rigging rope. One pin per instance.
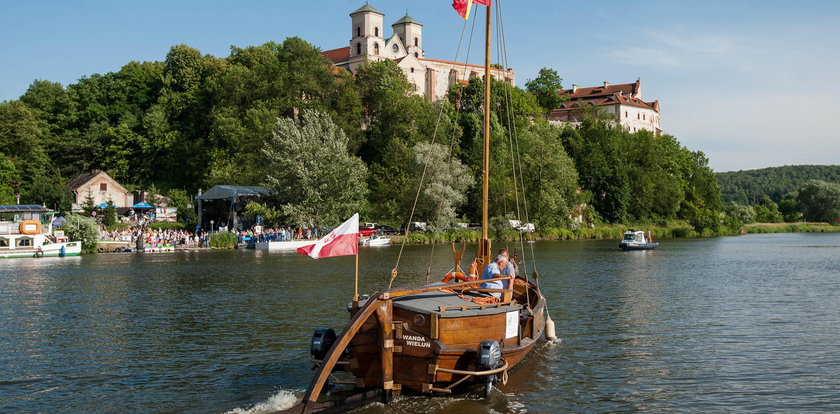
(500, 21)
(394, 271)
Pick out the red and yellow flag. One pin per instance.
(463, 7)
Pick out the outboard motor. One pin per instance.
(322, 340)
(489, 357)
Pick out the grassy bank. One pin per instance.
(602, 232)
(801, 227)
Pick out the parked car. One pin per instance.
(367, 231)
(387, 230)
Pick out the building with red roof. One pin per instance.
(624, 102)
(430, 77)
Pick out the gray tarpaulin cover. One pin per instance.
(218, 192)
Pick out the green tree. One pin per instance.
(83, 229)
(741, 213)
(318, 182)
(444, 187)
(550, 178)
(109, 215)
(546, 88)
(789, 207)
(820, 201)
(8, 176)
(767, 211)
(596, 150)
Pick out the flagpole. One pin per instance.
(356, 289)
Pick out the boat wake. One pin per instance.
(282, 400)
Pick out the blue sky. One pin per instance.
(751, 83)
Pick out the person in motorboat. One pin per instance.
(499, 267)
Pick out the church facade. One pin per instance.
(430, 77)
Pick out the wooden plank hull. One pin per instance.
(421, 349)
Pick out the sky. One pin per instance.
(750, 83)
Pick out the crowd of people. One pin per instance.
(187, 239)
(157, 238)
(279, 234)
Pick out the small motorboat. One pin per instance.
(636, 240)
(375, 240)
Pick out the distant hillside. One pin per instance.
(747, 187)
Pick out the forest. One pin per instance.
(749, 187)
(327, 143)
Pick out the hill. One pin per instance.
(747, 187)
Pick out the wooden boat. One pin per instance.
(431, 339)
(27, 231)
(635, 240)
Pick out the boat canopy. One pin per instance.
(219, 192)
(23, 208)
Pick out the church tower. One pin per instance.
(410, 32)
(367, 41)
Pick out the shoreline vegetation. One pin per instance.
(615, 231)
(225, 240)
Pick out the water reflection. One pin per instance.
(698, 325)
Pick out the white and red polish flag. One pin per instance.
(342, 241)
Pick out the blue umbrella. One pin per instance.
(103, 205)
(58, 221)
(143, 204)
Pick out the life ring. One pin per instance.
(39, 253)
(101, 250)
(457, 275)
(473, 275)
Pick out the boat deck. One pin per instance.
(448, 305)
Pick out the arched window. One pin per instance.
(376, 31)
(417, 55)
(416, 42)
(358, 48)
(376, 48)
(358, 31)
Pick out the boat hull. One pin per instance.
(282, 246)
(73, 248)
(638, 246)
(427, 347)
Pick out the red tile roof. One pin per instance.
(338, 55)
(464, 64)
(631, 89)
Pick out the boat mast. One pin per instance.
(484, 247)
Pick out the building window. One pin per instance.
(395, 48)
(358, 31)
(626, 115)
(412, 70)
(376, 31)
(417, 55)
(376, 48)
(103, 186)
(416, 42)
(638, 116)
(643, 117)
(358, 48)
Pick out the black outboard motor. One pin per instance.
(489, 357)
(322, 340)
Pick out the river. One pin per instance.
(748, 324)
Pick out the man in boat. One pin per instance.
(500, 267)
(513, 269)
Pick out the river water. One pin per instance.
(748, 323)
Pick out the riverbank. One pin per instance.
(801, 227)
(616, 231)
